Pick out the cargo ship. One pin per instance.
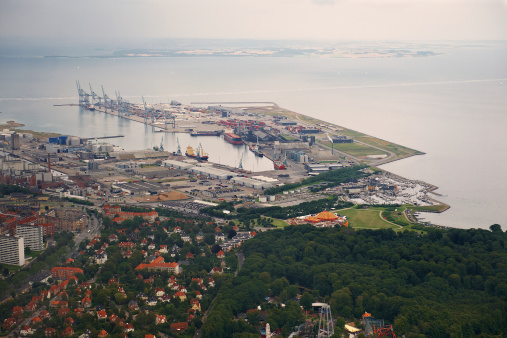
(256, 150)
(206, 133)
(279, 165)
(199, 154)
(233, 138)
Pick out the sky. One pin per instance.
(370, 20)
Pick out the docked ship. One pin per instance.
(233, 138)
(279, 165)
(206, 133)
(254, 148)
(90, 107)
(199, 154)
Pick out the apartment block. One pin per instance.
(12, 250)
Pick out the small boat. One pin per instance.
(90, 107)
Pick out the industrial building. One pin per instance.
(251, 183)
(32, 234)
(177, 164)
(140, 188)
(12, 250)
(318, 168)
(212, 172)
(15, 141)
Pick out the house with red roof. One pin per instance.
(69, 320)
(179, 326)
(220, 254)
(63, 312)
(113, 318)
(36, 320)
(49, 332)
(26, 330)
(9, 323)
(102, 314)
(158, 264)
(195, 304)
(180, 294)
(68, 332)
(160, 319)
(31, 306)
(128, 328)
(189, 255)
(103, 334)
(17, 310)
(217, 270)
(44, 314)
(65, 272)
(86, 302)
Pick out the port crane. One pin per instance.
(95, 98)
(148, 111)
(108, 102)
(84, 97)
(179, 148)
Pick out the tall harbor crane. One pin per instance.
(108, 102)
(95, 97)
(84, 97)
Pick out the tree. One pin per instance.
(5, 272)
(231, 233)
(215, 248)
(306, 300)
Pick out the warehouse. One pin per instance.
(212, 172)
(251, 183)
(177, 164)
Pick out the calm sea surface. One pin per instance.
(452, 106)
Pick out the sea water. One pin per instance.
(452, 106)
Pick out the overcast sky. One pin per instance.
(256, 19)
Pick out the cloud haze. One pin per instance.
(256, 19)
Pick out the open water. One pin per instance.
(452, 106)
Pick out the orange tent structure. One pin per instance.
(326, 216)
(312, 219)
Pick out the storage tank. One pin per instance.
(62, 139)
(74, 141)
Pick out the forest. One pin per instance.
(442, 284)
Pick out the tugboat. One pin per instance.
(199, 154)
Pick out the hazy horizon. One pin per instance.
(116, 21)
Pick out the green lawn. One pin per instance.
(278, 222)
(356, 149)
(366, 218)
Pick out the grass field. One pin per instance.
(366, 218)
(356, 149)
(278, 222)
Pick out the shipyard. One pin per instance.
(184, 176)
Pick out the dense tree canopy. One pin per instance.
(445, 283)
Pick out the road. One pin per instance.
(241, 258)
